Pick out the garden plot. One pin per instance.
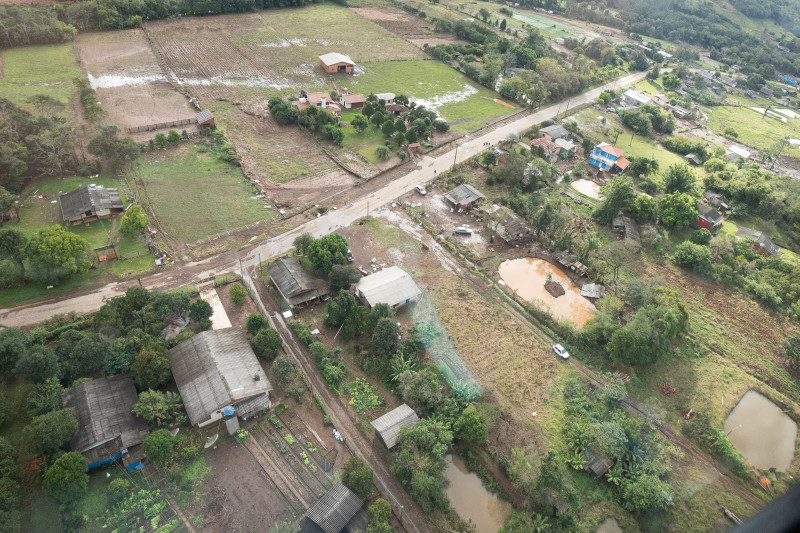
(130, 85)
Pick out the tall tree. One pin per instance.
(679, 178)
(328, 251)
(67, 479)
(134, 221)
(55, 253)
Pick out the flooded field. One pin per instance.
(470, 498)
(528, 275)
(763, 433)
(587, 188)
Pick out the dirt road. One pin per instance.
(233, 261)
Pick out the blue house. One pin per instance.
(608, 157)
(107, 428)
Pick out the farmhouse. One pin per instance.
(391, 286)
(387, 427)
(295, 284)
(709, 217)
(550, 148)
(334, 63)
(388, 98)
(507, 225)
(759, 242)
(318, 99)
(107, 428)
(608, 157)
(205, 119)
(632, 98)
(554, 132)
(216, 369)
(352, 101)
(333, 512)
(766, 91)
(90, 203)
(626, 229)
(464, 197)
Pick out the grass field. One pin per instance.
(363, 143)
(753, 128)
(548, 26)
(32, 70)
(434, 85)
(195, 195)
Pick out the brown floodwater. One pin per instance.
(609, 525)
(763, 433)
(470, 499)
(528, 275)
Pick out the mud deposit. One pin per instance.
(528, 275)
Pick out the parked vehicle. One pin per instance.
(350, 257)
(461, 230)
(561, 351)
(421, 190)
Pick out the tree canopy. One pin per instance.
(54, 253)
(328, 251)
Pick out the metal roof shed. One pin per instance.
(335, 509)
(215, 369)
(107, 426)
(295, 284)
(388, 426)
(90, 203)
(391, 286)
(464, 196)
(334, 58)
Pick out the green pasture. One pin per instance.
(32, 70)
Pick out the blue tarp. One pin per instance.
(105, 461)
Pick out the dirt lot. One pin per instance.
(238, 495)
(129, 83)
(413, 29)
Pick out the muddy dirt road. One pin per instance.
(426, 169)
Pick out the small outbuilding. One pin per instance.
(507, 225)
(759, 242)
(216, 369)
(392, 286)
(333, 512)
(554, 132)
(388, 98)
(570, 261)
(717, 200)
(352, 101)
(708, 217)
(387, 427)
(626, 229)
(464, 197)
(90, 203)
(734, 152)
(107, 428)
(693, 158)
(334, 62)
(293, 283)
(593, 290)
(205, 119)
(633, 98)
(565, 145)
(596, 465)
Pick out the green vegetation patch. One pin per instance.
(438, 86)
(753, 128)
(195, 195)
(549, 26)
(34, 70)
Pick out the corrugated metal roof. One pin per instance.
(214, 369)
(88, 198)
(392, 286)
(204, 116)
(709, 213)
(388, 426)
(464, 194)
(104, 410)
(333, 58)
(294, 283)
(555, 131)
(334, 510)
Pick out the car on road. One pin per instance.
(421, 190)
(561, 351)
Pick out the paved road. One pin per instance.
(427, 169)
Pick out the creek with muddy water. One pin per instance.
(471, 499)
(528, 275)
(762, 432)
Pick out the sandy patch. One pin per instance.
(587, 188)
(219, 320)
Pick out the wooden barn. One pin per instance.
(90, 203)
(387, 427)
(295, 284)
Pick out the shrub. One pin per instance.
(357, 476)
(255, 323)
(701, 237)
(267, 342)
(238, 294)
(67, 479)
(158, 445)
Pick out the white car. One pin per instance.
(421, 190)
(560, 351)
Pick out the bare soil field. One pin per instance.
(130, 85)
(413, 29)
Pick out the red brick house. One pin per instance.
(334, 62)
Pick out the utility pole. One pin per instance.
(455, 157)
(241, 268)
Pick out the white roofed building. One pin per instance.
(392, 286)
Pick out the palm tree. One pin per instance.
(541, 523)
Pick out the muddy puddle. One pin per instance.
(528, 275)
(762, 432)
(470, 498)
(609, 525)
(587, 188)
(110, 81)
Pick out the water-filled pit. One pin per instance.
(763, 433)
(528, 275)
(470, 498)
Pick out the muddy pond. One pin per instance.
(528, 275)
(762, 432)
(470, 498)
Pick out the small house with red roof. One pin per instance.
(352, 101)
(608, 157)
(550, 148)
